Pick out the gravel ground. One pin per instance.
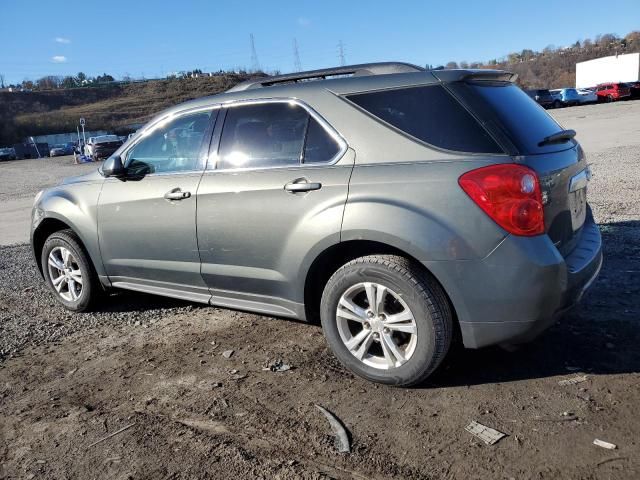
(25, 178)
(68, 381)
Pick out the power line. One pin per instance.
(341, 53)
(297, 66)
(255, 64)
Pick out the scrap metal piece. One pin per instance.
(342, 438)
(572, 380)
(603, 444)
(484, 433)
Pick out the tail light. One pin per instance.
(510, 194)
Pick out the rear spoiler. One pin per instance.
(478, 75)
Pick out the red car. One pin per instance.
(610, 92)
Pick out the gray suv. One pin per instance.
(404, 208)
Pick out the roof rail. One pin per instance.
(362, 69)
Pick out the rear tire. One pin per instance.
(610, 98)
(557, 104)
(69, 273)
(398, 339)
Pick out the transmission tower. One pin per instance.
(297, 66)
(255, 64)
(341, 53)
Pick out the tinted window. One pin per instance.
(523, 120)
(173, 147)
(265, 135)
(319, 146)
(429, 114)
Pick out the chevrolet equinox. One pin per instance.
(402, 207)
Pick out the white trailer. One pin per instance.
(617, 68)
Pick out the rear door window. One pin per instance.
(429, 114)
(319, 145)
(273, 134)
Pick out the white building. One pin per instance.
(617, 68)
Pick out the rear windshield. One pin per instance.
(524, 121)
(429, 114)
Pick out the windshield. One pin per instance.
(524, 121)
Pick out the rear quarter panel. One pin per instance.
(419, 208)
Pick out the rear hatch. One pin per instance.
(522, 126)
(624, 90)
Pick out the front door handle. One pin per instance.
(302, 185)
(176, 194)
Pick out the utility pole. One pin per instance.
(296, 57)
(255, 64)
(341, 53)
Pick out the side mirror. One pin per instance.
(113, 167)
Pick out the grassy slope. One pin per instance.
(112, 108)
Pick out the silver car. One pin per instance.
(403, 208)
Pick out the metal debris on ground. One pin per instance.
(603, 444)
(572, 380)
(342, 438)
(227, 353)
(484, 433)
(277, 366)
(112, 435)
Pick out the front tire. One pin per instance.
(386, 319)
(68, 271)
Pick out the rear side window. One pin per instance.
(319, 145)
(277, 134)
(429, 114)
(523, 120)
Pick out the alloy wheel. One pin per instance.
(65, 274)
(376, 325)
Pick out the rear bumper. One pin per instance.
(521, 288)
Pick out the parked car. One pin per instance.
(587, 95)
(7, 153)
(611, 92)
(566, 97)
(61, 149)
(556, 98)
(31, 150)
(102, 146)
(542, 96)
(634, 89)
(389, 204)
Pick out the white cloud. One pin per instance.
(304, 21)
(62, 40)
(58, 59)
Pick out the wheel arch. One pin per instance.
(333, 257)
(46, 228)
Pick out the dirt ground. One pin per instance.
(145, 378)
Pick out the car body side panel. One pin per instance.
(254, 236)
(409, 205)
(147, 238)
(75, 204)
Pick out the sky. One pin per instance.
(153, 38)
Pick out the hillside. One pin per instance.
(114, 107)
(556, 67)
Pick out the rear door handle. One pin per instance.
(302, 186)
(176, 194)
